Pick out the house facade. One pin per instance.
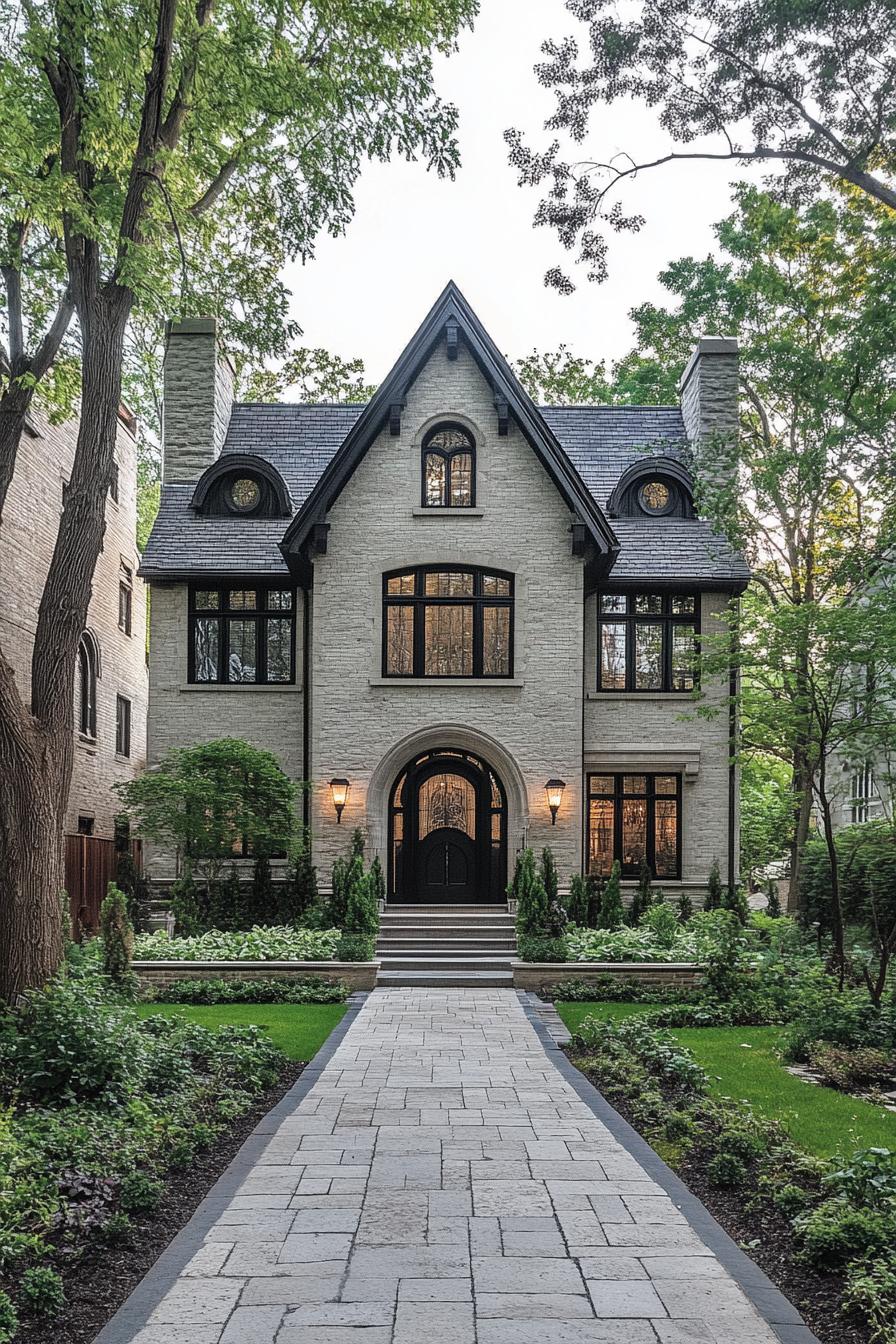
(469, 623)
(111, 684)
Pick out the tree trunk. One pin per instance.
(14, 405)
(802, 814)
(33, 782)
(36, 748)
(837, 930)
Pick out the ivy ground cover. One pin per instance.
(299, 1030)
(745, 1063)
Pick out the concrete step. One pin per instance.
(425, 932)
(439, 979)
(396, 946)
(423, 961)
(477, 907)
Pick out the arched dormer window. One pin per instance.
(658, 487)
(449, 468)
(242, 485)
(88, 668)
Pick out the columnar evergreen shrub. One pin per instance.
(362, 919)
(346, 872)
(643, 897)
(262, 900)
(714, 893)
(773, 900)
(118, 938)
(595, 884)
(379, 879)
(577, 900)
(612, 911)
(539, 925)
(185, 906)
(299, 894)
(685, 908)
(734, 899)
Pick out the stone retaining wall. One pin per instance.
(157, 974)
(544, 975)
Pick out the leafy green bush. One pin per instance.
(726, 1170)
(41, 1290)
(540, 947)
(657, 1051)
(276, 943)
(685, 908)
(608, 988)
(836, 1232)
(140, 1193)
(663, 923)
(9, 1320)
(300, 989)
(871, 1292)
(844, 1017)
(848, 1069)
(867, 1179)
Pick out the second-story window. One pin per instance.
(242, 635)
(647, 641)
(125, 597)
(447, 623)
(449, 468)
(122, 726)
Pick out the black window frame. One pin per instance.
(122, 726)
(631, 619)
(619, 795)
(224, 614)
(419, 600)
(88, 673)
(125, 599)
(447, 456)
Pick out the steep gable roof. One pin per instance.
(451, 318)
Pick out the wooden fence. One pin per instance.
(90, 865)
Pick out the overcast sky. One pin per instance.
(365, 293)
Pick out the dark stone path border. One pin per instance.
(769, 1301)
(134, 1313)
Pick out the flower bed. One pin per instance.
(270, 943)
(659, 938)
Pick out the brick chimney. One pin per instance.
(197, 399)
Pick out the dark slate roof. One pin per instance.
(300, 439)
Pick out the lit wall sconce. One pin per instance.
(554, 791)
(339, 793)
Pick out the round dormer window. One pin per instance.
(244, 494)
(655, 497)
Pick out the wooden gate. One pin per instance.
(90, 865)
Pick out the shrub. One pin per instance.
(611, 988)
(643, 897)
(555, 920)
(69, 1043)
(663, 924)
(734, 899)
(595, 885)
(846, 1017)
(871, 1291)
(848, 1069)
(41, 1289)
(713, 899)
(378, 878)
(118, 939)
(577, 900)
(263, 904)
(726, 1170)
(362, 919)
(185, 906)
(140, 1193)
(834, 1233)
(128, 877)
(612, 912)
(276, 943)
(685, 908)
(347, 872)
(301, 989)
(540, 947)
(527, 889)
(869, 1178)
(299, 894)
(9, 1321)
(773, 900)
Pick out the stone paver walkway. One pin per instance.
(443, 1182)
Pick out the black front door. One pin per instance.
(446, 866)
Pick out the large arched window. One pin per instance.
(88, 661)
(447, 623)
(449, 468)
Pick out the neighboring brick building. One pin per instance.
(111, 680)
(451, 598)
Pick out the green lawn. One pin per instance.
(299, 1029)
(745, 1063)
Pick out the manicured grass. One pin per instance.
(299, 1029)
(745, 1063)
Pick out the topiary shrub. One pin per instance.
(612, 912)
(262, 904)
(714, 892)
(118, 939)
(555, 917)
(577, 900)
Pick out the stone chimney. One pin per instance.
(197, 399)
(709, 390)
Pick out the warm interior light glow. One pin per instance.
(339, 793)
(554, 791)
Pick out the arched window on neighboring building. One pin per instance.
(449, 468)
(88, 669)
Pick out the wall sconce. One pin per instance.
(339, 793)
(554, 791)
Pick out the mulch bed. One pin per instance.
(105, 1276)
(764, 1233)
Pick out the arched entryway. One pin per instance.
(447, 831)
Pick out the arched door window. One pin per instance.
(449, 468)
(87, 673)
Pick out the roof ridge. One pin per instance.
(606, 406)
(283, 405)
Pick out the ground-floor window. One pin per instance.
(634, 817)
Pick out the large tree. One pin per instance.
(161, 155)
(807, 89)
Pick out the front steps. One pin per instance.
(440, 946)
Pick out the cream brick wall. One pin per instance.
(27, 538)
(181, 715)
(524, 528)
(665, 732)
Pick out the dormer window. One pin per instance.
(656, 497)
(449, 465)
(244, 494)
